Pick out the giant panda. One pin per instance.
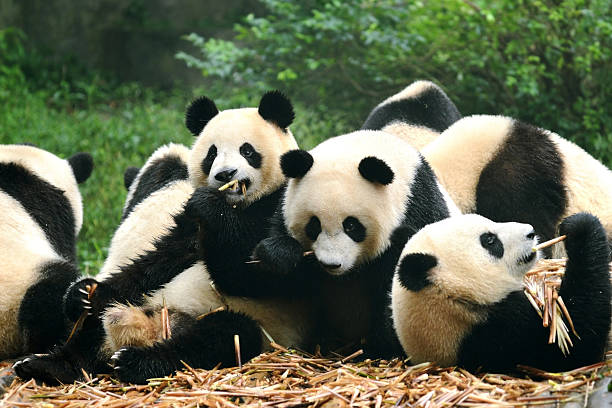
(42, 214)
(417, 114)
(507, 170)
(240, 143)
(353, 201)
(457, 295)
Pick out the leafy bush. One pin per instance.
(545, 62)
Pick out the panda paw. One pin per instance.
(583, 230)
(78, 300)
(206, 205)
(279, 254)
(137, 365)
(46, 368)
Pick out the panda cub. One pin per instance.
(458, 297)
(417, 114)
(354, 200)
(42, 214)
(507, 170)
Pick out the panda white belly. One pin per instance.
(23, 248)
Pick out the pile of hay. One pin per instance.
(288, 378)
(285, 378)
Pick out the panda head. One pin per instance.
(62, 174)
(240, 144)
(346, 196)
(467, 258)
(168, 163)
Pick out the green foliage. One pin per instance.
(120, 125)
(545, 62)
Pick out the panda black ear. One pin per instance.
(413, 271)
(296, 163)
(199, 113)
(276, 108)
(376, 170)
(82, 165)
(129, 175)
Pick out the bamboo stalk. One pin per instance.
(548, 243)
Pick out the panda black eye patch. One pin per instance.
(251, 155)
(492, 244)
(313, 228)
(354, 229)
(209, 159)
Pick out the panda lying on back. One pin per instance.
(42, 214)
(417, 114)
(458, 298)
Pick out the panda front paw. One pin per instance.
(583, 230)
(137, 365)
(206, 205)
(279, 254)
(80, 298)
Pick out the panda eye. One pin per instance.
(313, 228)
(354, 229)
(246, 150)
(492, 244)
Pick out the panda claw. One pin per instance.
(87, 307)
(83, 291)
(87, 302)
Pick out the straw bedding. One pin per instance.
(289, 378)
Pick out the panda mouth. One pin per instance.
(527, 258)
(237, 187)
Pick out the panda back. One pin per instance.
(149, 220)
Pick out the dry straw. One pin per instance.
(284, 378)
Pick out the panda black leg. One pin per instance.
(65, 363)
(205, 344)
(41, 317)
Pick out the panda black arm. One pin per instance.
(173, 253)
(227, 237)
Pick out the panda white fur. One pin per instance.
(507, 170)
(42, 214)
(353, 200)
(457, 296)
(417, 114)
(251, 140)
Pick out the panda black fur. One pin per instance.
(42, 214)
(465, 274)
(417, 114)
(188, 292)
(507, 170)
(355, 211)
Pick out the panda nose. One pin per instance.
(225, 175)
(531, 234)
(330, 266)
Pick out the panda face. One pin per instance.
(238, 144)
(469, 257)
(346, 196)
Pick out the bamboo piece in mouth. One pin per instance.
(228, 185)
(548, 243)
